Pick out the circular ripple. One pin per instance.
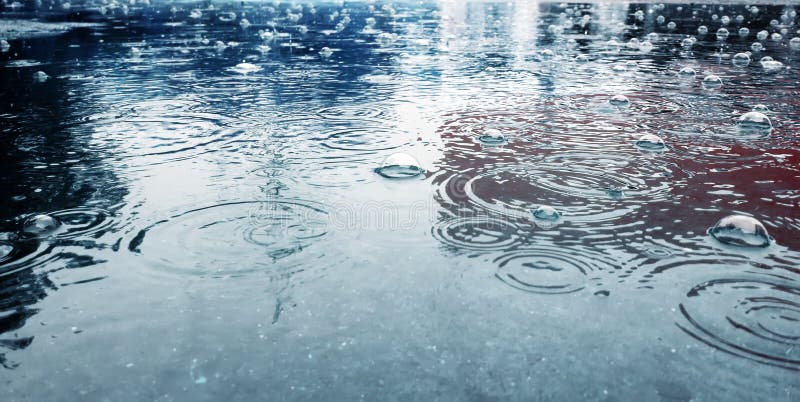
(364, 139)
(477, 233)
(545, 270)
(82, 222)
(364, 111)
(585, 186)
(17, 254)
(235, 238)
(757, 318)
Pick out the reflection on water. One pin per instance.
(334, 200)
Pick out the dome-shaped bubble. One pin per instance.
(646, 46)
(722, 34)
(650, 142)
(794, 44)
(771, 65)
(755, 121)
(619, 101)
(687, 72)
(762, 35)
(581, 58)
(492, 136)
(40, 76)
(687, 43)
(702, 30)
(744, 32)
(757, 47)
(741, 230)
(633, 43)
(671, 26)
(776, 37)
(660, 19)
(546, 54)
(652, 37)
(245, 68)
(761, 108)
(325, 52)
(712, 81)
(400, 166)
(40, 225)
(741, 60)
(546, 213)
(725, 20)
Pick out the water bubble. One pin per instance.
(741, 60)
(741, 230)
(245, 68)
(244, 23)
(646, 46)
(619, 101)
(722, 34)
(702, 30)
(725, 20)
(687, 43)
(776, 37)
(771, 65)
(400, 166)
(547, 213)
(581, 58)
(195, 14)
(633, 43)
(687, 72)
(739, 19)
(761, 108)
(757, 47)
(546, 54)
(744, 32)
(650, 142)
(40, 76)
(755, 121)
(762, 35)
(652, 37)
(492, 136)
(671, 26)
(40, 225)
(794, 44)
(325, 52)
(660, 19)
(712, 81)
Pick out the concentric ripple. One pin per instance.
(548, 270)
(235, 238)
(477, 233)
(82, 222)
(364, 139)
(377, 112)
(756, 317)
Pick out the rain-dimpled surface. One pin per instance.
(451, 200)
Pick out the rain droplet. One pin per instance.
(712, 81)
(741, 230)
(40, 225)
(400, 166)
(650, 142)
(741, 60)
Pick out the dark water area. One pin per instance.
(399, 201)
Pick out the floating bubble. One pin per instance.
(740, 230)
(546, 54)
(771, 65)
(712, 81)
(4, 45)
(547, 213)
(762, 35)
(619, 101)
(244, 23)
(687, 72)
(794, 44)
(245, 68)
(581, 58)
(40, 76)
(702, 30)
(722, 34)
(776, 37)
(646, 46)
(40, 225)
(755, 121)
(400, 166)
(761, 108)
(741, 60)
(671, 26)
(757, 47)
(633, 43)
(650, 142)
(744, 32)
(492, 136)
(325, 52)
(687, 43)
